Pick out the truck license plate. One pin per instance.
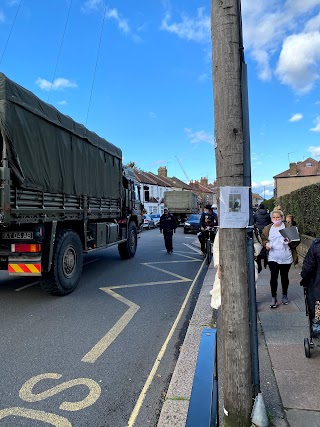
(17, 235)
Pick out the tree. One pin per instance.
(131, 165)
(227, 59)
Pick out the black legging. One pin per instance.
(168, 240)
(275, 268)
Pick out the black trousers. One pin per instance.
(275, 268)
(168, 240)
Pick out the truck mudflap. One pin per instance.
(24, 267)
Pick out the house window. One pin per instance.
(308, 165)
(146, 193)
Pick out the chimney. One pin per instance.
(162, 171)
(293, 169)
(204, 181)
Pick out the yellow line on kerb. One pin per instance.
(156, 364)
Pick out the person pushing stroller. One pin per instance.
(310, 274)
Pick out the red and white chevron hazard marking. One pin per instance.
(24, 269)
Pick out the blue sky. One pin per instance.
(139, 74)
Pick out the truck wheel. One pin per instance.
(67, 262)
(128, 249)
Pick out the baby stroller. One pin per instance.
(312, 311)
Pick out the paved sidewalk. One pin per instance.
(288, 379)
(284, 330)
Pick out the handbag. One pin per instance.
(263, 253)
(257, 248)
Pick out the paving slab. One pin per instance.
(281, 320)
(298, 391)
(298, 418)
(292, 357)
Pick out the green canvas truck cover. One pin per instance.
(50, 152)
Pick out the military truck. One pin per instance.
(181, 203)
(63, 192)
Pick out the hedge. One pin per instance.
(304, 205)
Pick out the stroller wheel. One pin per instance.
(307, 347)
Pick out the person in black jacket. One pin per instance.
(261, 218)
(311, 280)
(168, 227)
(208, 220)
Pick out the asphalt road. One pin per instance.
(103, 355)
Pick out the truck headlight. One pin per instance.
(187, 224)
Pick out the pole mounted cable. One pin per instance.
(60, 48)
(97, 59)
(10, 32)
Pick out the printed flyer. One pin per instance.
(234, 207)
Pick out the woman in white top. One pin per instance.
(279, 256)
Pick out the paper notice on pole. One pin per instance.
(234, 207)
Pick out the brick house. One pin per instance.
(297, 176)
(154, 186)
(207, 193)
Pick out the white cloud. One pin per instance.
(91, 5)
(122, 23)
(197, 29)
(2, 17)
(268, 194)
(203, 77)
(58, 84)
(112, 14)
(264, 188)
(63, 102)
(268, 25)
(313, 24)
(262, 184)
(315, 151)
(152, 115)
(317, 125)
(299, 61)
(198, 136)
(296, 117)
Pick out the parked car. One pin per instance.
(192, 224)
(148, 222)
(156, 219)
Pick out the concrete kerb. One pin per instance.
(175, 408)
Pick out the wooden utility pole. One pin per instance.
(227, 58)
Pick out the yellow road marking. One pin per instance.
(165, 271)
(27, 394)
(115, 331)
(136, 285)
(55, 420)
(156, 364)
(108, 339)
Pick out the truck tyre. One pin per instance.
(67, 262)
(128, 249)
